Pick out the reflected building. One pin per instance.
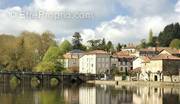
(154, 95)
(104, 95)
(71, 96)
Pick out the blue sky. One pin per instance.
(121, 21)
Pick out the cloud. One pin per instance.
(177, 6)
(125, 29)
(148, 7)
(60, 27)
(145, 15)
(134, 25)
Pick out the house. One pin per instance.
(164, 65)
(95, 62)
(123, 61)
(138, 61)
(151, 51)
(71, 60)
(141, 64)
(174, 52)
(158, 68)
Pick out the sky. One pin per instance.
(121, 21)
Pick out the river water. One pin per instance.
(89, 94)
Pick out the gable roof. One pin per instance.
(123, 54)
(76, 51)
(144, 59)
(172, 51)
(165, 57)
(153, 49)
(98, 52)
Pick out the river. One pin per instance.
(89, 94)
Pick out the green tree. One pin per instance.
(94, 44)
(143, 43)
(150, 40)
(50, 62)
(118, 47)
(110, 46)
(47, 39)
(102, 45)
(65, 46)
(52, 54)
(175, 43)
(77, 41)
(45, 66)
(169, 33)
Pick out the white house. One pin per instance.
(95, 62)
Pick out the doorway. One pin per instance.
(155, 78)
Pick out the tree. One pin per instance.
(118, 47)
(50, 62)
(149, 75)
(169, 33)
(103, 44)
(45, 67)
(47, 39)
(175, 43)
(52, 54)
(110, 47)
(143, 43)
(94, 44)
(77, 41)
(65, 46)
(150, 37)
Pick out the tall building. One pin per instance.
(95, 62)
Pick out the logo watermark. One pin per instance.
(52, 15)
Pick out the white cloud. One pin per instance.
(144, 15)
(50, 5)
(58, 27)
(126, 29)
(148, 7)
(177, 6)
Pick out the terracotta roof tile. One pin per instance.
(165, 57)
(97, 52)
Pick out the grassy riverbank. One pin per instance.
(134, 83)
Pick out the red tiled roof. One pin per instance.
(172, 51)
(123, 54)
(165, 57)
(145, 59)
(155, 49)
(97, 52)
(138, 69)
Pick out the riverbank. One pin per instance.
(134, 83)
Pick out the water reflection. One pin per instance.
(89, 94)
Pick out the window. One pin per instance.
(131, 68)
(126, 63)
(119, 63)
(91, 65)
(126, 68)
(121, 68)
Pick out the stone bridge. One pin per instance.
(45, 78)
